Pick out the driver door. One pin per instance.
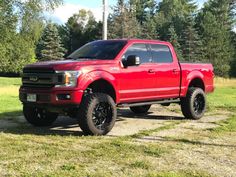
(137, 83)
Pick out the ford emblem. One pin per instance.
(33, 78)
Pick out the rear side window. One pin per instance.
(141, 51)
(161, 53)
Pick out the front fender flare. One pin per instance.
(93, 76)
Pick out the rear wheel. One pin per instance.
(140, 109)
(193, 106)
(97, 114)
(39, 117)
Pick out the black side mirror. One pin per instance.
(132, 60)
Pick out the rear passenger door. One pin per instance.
(138, 83)
(167, 71)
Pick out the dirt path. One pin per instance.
(129, 124)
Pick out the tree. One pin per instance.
(233, 61)
(173, 39)
(15, 51)
(80, 29)
(21, 25)
(50, 47)
(31, 23)
(215, 22)
(149, 30)
(123, 22)
(173, 12)
(143, 9)
(191, 42)
(217, 44)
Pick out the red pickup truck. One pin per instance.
(102, 75)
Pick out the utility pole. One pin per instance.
(105, 14)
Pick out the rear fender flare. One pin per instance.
(190, 77)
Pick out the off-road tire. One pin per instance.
(140, 109)
(38, 117)
(193, 106)
(97, 114)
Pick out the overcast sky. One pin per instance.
(62, 13)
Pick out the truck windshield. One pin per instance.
(103, 50)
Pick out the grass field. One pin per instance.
(27, 151)
(9, 102)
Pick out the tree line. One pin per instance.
(198, 35)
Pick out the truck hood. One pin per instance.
(69, 64)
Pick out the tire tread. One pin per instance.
(84, 112)
(186, 104)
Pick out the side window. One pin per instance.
(139, 50)
(161, 53)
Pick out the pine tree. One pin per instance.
(123, 22)
(143, 9)
(217, 44)
(191, 43)
(215, 22)
(173, 39)
(233, 62)
(173, 12)
(50, 47)
(149, 30)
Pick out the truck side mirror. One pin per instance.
(132, 60)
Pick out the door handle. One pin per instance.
(175, 71)
(151, 71)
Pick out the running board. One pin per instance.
(149, 103)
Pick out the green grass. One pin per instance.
(6, 81)
(223, 97)
(140, 164)
(181, 174)
(9, 99)
(30, 155)
(228, 125)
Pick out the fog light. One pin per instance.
(63, 97)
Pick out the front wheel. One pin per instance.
(193, 106)
(97, 114)
(38, 117)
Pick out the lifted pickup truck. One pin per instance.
(102, 75)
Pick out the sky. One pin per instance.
(61, 14)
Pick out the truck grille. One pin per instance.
(40, 78)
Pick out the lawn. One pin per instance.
(29, 151)
(9, 102)
(224, 95)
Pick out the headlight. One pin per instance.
(69, 78)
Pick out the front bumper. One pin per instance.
(52, 96)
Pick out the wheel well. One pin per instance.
(103, 86)
(197, 82)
